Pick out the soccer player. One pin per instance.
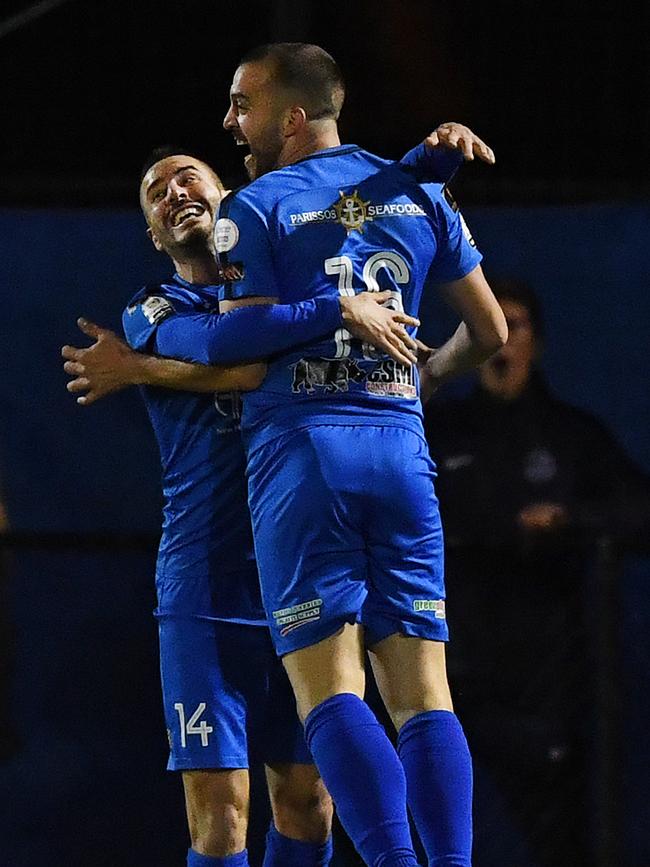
(217, 709)
(345, 519)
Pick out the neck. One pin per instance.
(317, 135)
(200, 268)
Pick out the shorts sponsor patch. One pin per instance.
(435, 605)
(288, 619)
(156, 309)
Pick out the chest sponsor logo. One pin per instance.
(352, 212)
(435, 605)
(288, 619)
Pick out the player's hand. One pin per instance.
(367, 319)
(107, 366)
(455, 136)
(543, 517)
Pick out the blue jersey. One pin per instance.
(338, 222)
(206, 565)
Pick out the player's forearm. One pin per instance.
(184, 376)
(464, 351)
(248, 333)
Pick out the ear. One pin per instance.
(154, 240)
(294, 120)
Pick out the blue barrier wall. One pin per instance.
(96, 468)
(67, 468)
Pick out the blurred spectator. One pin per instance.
(527, 484)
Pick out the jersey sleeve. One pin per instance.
(243, 246)
(436, 165)
(456, 253)
(142, 318)
(153, 324)
(247, 333)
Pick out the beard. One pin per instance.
(196, 241)
(266, 157)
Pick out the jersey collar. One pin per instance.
(328, 152)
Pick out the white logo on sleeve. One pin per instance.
(156, 309)
(466, 231)
(226, 235)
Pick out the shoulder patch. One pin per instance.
(226, 235)
(451, 201)
(156, 309)
(466, 232)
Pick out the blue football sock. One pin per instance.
(194, 859)
(283, 851)
(438, 769)
(364, 777)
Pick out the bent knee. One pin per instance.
(302, 806)
(217, 804)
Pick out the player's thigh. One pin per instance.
(411, 676)
(211, 678)
(330, 667)
(310, 553)
(406, 591)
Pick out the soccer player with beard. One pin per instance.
(218, 708)
(345, 519)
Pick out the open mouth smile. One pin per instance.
(193, 209)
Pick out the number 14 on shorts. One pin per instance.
(190, 727)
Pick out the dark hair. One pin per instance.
(307, 69)
(171, 150)
(512, 289)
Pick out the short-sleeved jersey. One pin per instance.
(339, 221)
(206, 565)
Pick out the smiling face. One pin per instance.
(259, 110)
(180, 196)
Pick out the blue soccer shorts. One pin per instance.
(228, 702)
(347, 529)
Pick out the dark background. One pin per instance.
(562, 96)
(87, 89)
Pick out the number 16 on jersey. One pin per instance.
(342, 265)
